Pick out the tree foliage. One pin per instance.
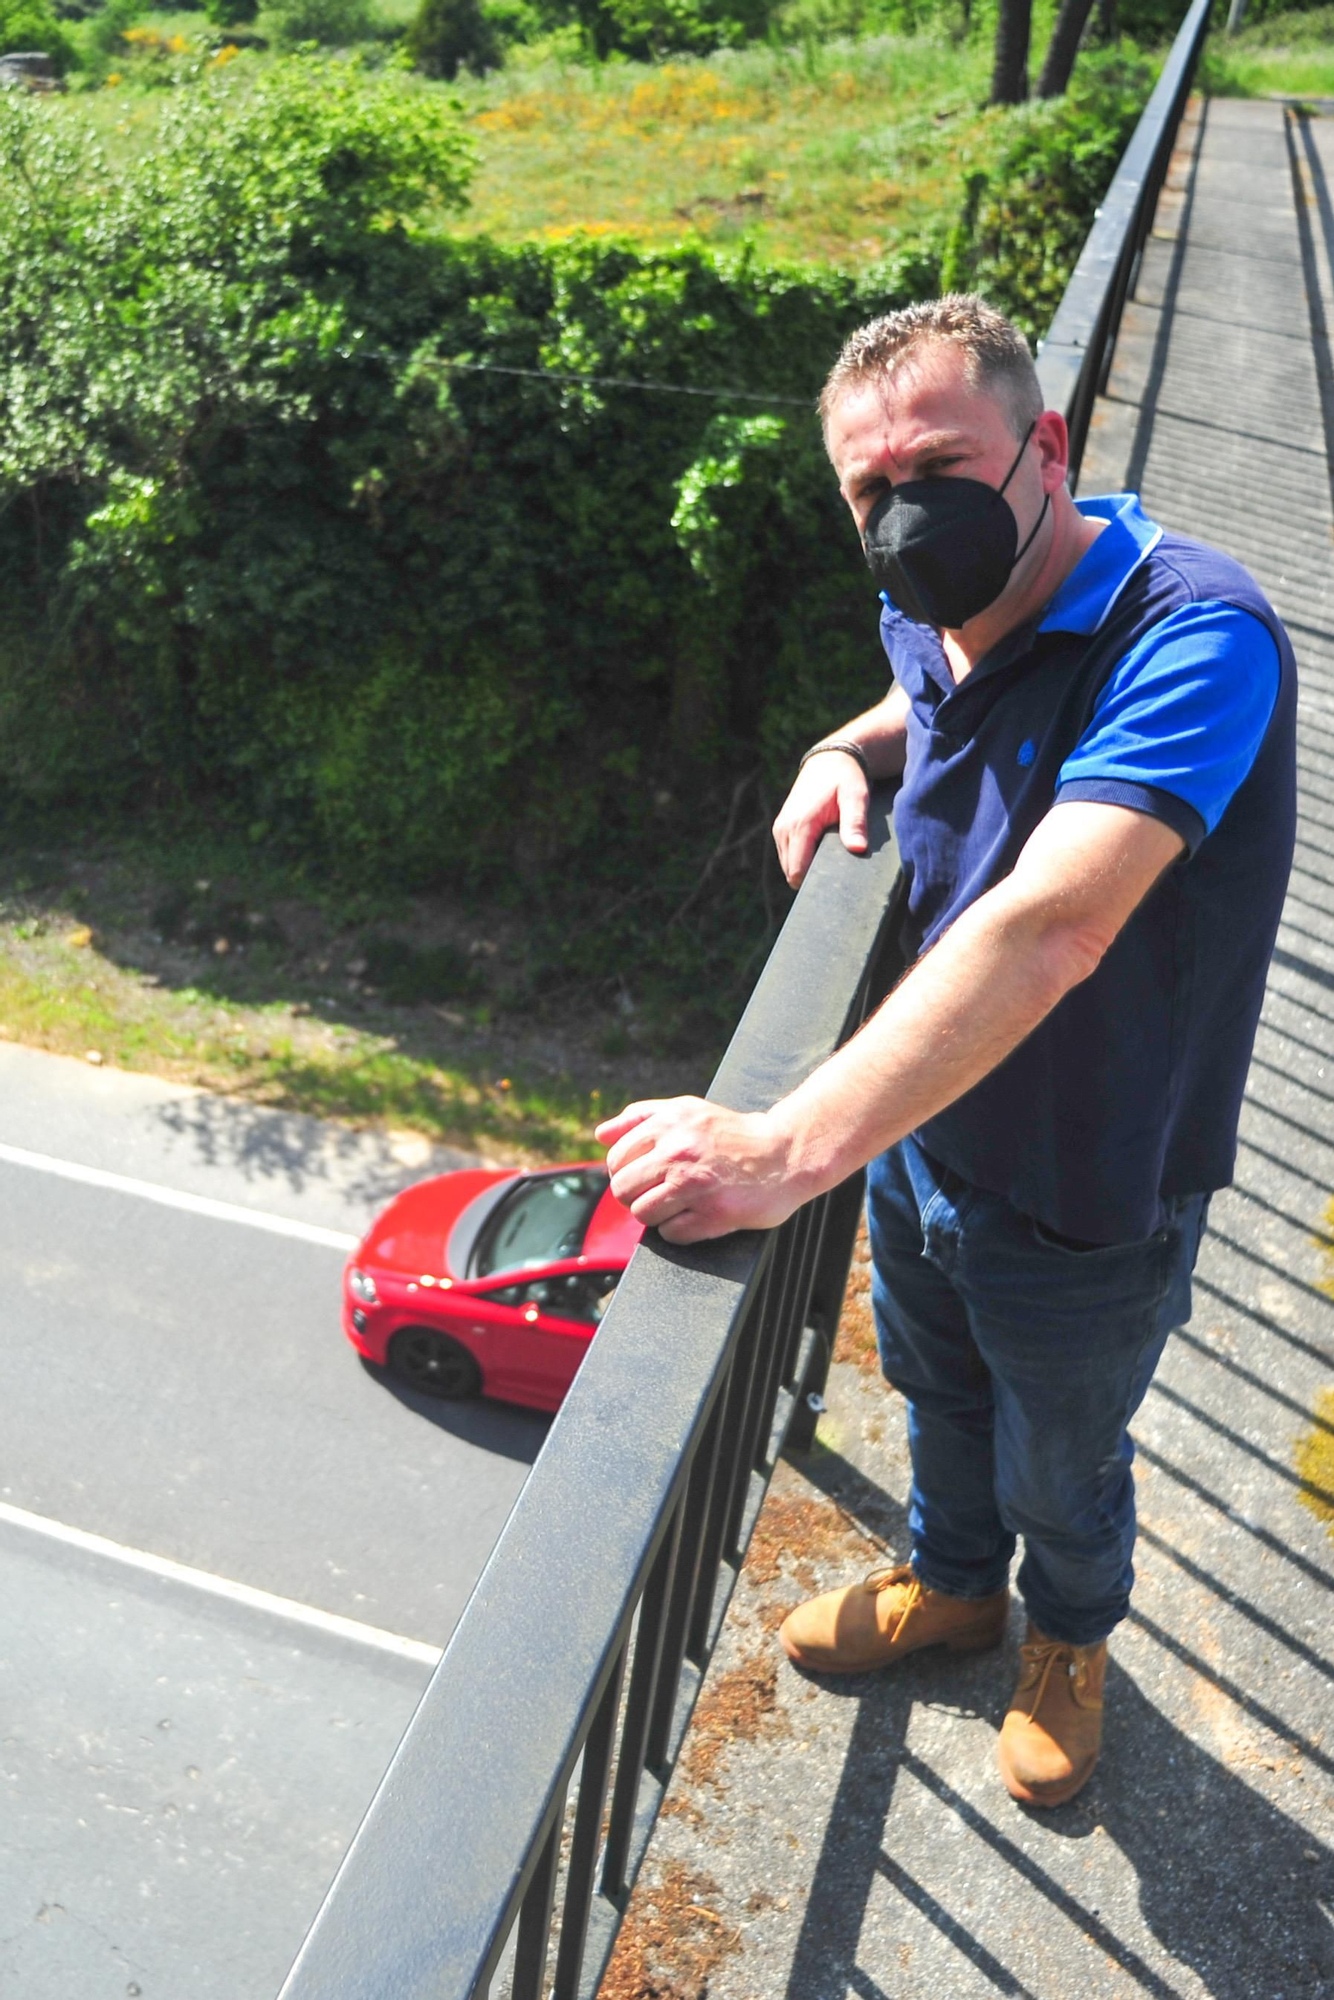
(1023, 223)
(367, 539)
(449, 35)
(31, 25)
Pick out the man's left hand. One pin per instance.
(695, 1170)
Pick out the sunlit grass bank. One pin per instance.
(824, 153)
(1287, 55)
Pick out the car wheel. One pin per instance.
(434, 1363)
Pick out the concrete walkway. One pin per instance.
(824, 1841)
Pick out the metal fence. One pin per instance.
(1077, 352)
(568, 1684)
(501, 1847)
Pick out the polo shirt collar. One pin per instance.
(1102, 572)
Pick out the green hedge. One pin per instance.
(281, 540)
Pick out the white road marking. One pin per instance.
(220, 1586)
(195, 1204)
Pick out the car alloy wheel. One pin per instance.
(434, 1363)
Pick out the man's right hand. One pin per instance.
(830, 791)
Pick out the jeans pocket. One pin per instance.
(1087, 1253)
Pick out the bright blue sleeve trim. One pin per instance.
(1183, 713)
(1150, 799)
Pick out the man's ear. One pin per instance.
(1053, 442)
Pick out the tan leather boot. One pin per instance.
(1049, 1741)
(873, 1623)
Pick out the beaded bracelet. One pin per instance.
(846, 745)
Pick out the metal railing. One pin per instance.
(1076, 354)
(568, 1684)
(502, 1845)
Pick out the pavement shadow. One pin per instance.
(1229, 1886)
(853, 1855)
(298, 1151)
(506, 1430)
(878, 1513)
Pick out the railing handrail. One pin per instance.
(428, 1890)
(1075, 354)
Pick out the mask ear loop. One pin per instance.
(1046, 498)
(1023, 447)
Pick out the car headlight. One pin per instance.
(362, 1286)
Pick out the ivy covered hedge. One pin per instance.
(310, 518)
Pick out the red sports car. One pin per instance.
(491, 1282)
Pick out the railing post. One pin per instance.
(826, 1306)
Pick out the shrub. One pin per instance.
(327, 23)
(231, 13)
(32, 25)
(449, 35)
(103, 35)
(1023, 223)
(655, 28)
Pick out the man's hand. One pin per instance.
(829, 791)
(695, 1170)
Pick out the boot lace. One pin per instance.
(903, 1576)
(1040, 1658)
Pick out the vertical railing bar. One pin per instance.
(704, 1572)
(790, 1316)
(682, 1592)
(817, 1213)
(639, 1703)
(740, 1390)
(785, 1318)
(825, 1306)
(587, 1834)
(768, 1305)
(530, 1958)
(759, 1416)
(786, 1308)
(720, 1498)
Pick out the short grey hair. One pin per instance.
(996, 355)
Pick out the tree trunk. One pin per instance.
(1106, 27)
(1063, 47)
(1009, 75)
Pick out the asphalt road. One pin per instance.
(183, 1763)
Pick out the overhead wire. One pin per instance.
(627, 382)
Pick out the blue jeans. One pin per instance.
(1022, 1360)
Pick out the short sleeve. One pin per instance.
(1180, 719)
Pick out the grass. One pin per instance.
(826, 153)
(283, 1012)
(1285, 55)
(828, 150)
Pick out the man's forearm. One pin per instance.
(996, 973)
(695, 1169)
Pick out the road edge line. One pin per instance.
(329, 1622)
(195, 1204)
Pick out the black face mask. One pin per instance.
(943, 549)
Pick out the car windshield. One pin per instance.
(544, 1218)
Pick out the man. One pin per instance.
(1094, 723)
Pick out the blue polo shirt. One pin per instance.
(1159, 678)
